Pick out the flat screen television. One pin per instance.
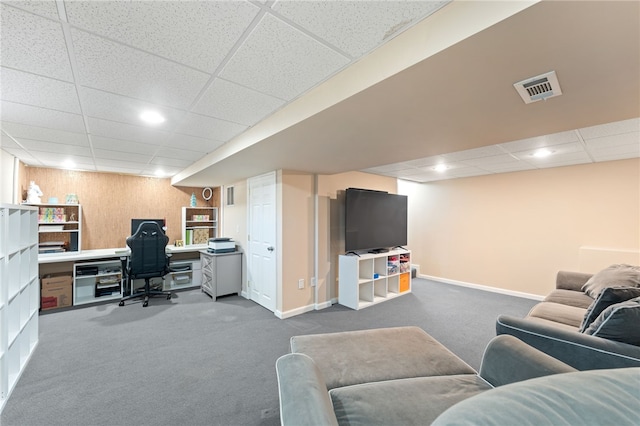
(135, 223)
(374, 220)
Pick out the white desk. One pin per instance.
(83, 287)
(74, 256)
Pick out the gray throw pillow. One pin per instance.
(613, 276)
(619, 322)
(607, 297)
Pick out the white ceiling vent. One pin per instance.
(541, 87)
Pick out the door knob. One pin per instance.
(270, 248)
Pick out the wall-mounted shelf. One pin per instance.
(59, 228)
(199, 224)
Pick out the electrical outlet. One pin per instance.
(301, 283)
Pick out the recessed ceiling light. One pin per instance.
(159, 173)
(543, 152)
(69, 164)
(152, 117)
(440, 167)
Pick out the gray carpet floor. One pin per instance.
(192, 361)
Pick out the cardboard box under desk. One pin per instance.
(55, 292)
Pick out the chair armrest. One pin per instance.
(508, 360)
(304, 399)
(579, 350)
(566, 280)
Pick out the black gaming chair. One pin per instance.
(147, 260)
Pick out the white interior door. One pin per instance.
(262, 238)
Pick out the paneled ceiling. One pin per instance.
(395, 87)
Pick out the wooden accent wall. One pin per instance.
(109, 201)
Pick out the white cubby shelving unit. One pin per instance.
(370, 278)
(19, 293)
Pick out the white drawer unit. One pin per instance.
(221, 273)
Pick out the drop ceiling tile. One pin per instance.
(516, 166)
(122, 146)
(281, 61)
(113, 107)
(33, 44)
(135, 169)
(356, 27)
(125, 164)
(58, 148)
(179, 154)
(466, 172)
(563, 159)
(42, 117)
(161, 171)
(18, 130)
(47, 9)
(606, 142)
(193, 143)
(228, 101)
(540, 142)
(557, 151)
(617, 152)
(25, 156)
(171, 162)
(485, 151)
(8, 142)
(26, 88)
(105, 154)
(127, 132)
(196, 33)
(113, 67)
(610, 129)
(209, 128)
(52, 159)
(484, 162)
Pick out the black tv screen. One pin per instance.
(135, 223)
(374, 220)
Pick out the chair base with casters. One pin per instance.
(145, 293)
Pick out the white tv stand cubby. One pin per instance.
(371, 278)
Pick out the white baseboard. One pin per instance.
(294, 312)
(303, 309)
(483, 287)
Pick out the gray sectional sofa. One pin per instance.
(402, 376)
(588, 321)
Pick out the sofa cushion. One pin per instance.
(416, 401)
(595, 397)
(607, 297)
(362, 356)
(619, 322)
(613, 276)
(570, 298)
(557, 312)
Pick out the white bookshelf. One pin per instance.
(199, 224)
(19, 293)
(370, 278)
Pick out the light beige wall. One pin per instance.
(297, 245)
(514, 231)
